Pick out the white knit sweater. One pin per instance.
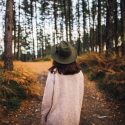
(62, 99)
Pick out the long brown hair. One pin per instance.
(66, 69)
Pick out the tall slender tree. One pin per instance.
(14, 23)
(66, 19)
(93, 10)
(62, 20)
(36, 25)
(84, 13)
(122, 4)
(99, 28)
(116, 26)
(32, 28)
(78, 28)
(78, 18)
(70, 19)
(19, 31)
(89, 18)
(55, 18)
(8, 56)
(109, 40)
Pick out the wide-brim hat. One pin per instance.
(63, 53)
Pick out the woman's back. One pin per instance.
(67, 99)
(63, 94)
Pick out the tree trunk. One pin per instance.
(31, 7)
(14, 22)
(66, 21)
(78, 11)
(69, 16)
(84, 23)
(109, 41)
(79, 34)
(19, 30)
(25, 28)
(41, 41)
(55, 19)
(99, 28)
(122, 4)
(89, 26)
(93, 23)
(62, 21)
(8, 61)
(116, 26)
(36, 27)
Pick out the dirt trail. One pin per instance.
(97, 108)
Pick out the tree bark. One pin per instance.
(19, 30)
(70, 16)
(84, 23)
(109, 41)
(116, 26)
(66, 21)
(99, 28)
(122, 4)
(79, 34)
(32, 14)
(89, 25)
(14, 23)
(55, 19)
(36, 27)
(8, 56)
(78, 11)
(93, 24)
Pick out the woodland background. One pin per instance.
(28, 29)
(91, 25)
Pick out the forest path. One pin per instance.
(97, 108)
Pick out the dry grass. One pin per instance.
(17, 85)
(109, 72)
(24, 78)
(92, 59)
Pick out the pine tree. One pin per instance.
(122, 4)
(116, 26)
(8, 57)
(109, 40)
(99, 28)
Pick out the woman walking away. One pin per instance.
(63, 94)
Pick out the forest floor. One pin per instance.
(98, 109)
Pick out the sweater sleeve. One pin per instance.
(47, 97)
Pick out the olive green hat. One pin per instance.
(63, 53)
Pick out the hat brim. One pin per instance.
(60, 60)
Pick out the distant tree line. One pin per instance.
(97, 26)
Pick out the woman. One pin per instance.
(63, 94)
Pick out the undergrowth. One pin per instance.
(109, 73)
(15, 86)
